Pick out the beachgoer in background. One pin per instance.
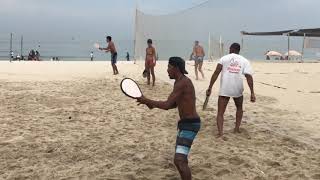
(91, 56)
(150, 62)
(32, 55)
(183, 96)
(37, 56)
(11, 56)
(128, 56)
(232, 68)
(198, 55)
(112, 49)
(267, 57)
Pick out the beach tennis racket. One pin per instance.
(130, 88)
(96, 45)
(205, 102)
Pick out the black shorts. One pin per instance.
(114, 58)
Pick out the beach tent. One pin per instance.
(315, 32)
(293, 53)
(273, 53)
(298, 32)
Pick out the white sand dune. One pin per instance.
(70, 120)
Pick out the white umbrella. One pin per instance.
(273, 53)
(293, 53)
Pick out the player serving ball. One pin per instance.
(112, 49)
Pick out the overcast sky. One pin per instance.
(51, 19)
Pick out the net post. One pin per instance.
(135, 33)
(219, 46)
(21, 46)
(288, 46)
(10, 54)
(303, 45)
(209, 47)
(242, 41)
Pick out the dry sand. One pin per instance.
(69, 120)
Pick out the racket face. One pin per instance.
(96, 45)
(130, 88)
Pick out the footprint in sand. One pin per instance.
(208, 165)
(259, 178)
(209, 109)
(169, 176)
(315, 92)
(222, 172)
(236, 161)
(244, 133)
(272, 163)
(316, 176)
(13, 140)
(276, 155)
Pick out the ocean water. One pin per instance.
(253, 48)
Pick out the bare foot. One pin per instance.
(243, 132)
(218, 136)
(237, 130)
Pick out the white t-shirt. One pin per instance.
(234, 67)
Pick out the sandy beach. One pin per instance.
(70, 120)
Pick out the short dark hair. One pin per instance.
(149, 41)
(235, 46)
(179, 63)
(109, 38)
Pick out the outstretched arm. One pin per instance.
(250, 84)
(214, 78)
(204, 54)
(145, 59)
(107, 49)
(170, 103)
(154, 54)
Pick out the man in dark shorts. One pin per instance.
(183, 96)
(112, 49)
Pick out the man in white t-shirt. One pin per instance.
(232, 68)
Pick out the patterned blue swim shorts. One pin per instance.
(187, 131)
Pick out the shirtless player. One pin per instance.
(183, 96)
(112, 49)
(198, 54)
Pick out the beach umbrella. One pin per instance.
(293, 53)
(273, 53)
